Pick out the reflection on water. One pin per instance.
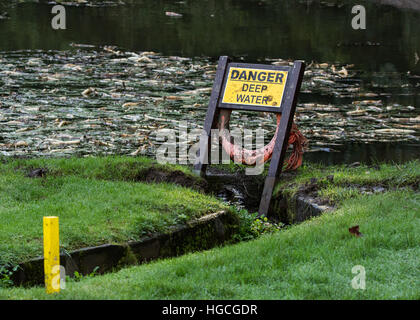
(371, 153)
(253, 29)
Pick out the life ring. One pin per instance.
(262, 155)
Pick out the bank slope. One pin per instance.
(312, 260)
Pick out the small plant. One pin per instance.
(245, 222)
(262, 225)
(182, 218)
(251, 227)
(5, 276)
(78, 276)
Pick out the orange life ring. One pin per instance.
(250, 157)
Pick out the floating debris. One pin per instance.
(4, 15)
(173, 14)
(357, 112)
(21, 144)
(130, 104)
(89, 92)
(110, 101)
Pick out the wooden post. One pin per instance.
(211, 118)
(281, 145)
(51, 254)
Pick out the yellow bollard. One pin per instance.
(51, 254)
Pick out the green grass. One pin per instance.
(312, 260)
(96, 200)
(347, 181)
(389, 174)
(107, 168)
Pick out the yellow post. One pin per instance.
(51, 255)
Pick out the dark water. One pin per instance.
(371, 153)
(307, 30)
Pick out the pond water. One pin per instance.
(360, 97)
(307, 30)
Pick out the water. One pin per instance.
(251, 29)
(383, 82)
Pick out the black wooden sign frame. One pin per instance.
(287, 109)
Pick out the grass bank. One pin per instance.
(312, 260)
(98, 201)
(333, 184)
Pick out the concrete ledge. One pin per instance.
(201, 234)
(296, 209)
(306, 207)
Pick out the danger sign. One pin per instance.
(252, 87)
(257, 87)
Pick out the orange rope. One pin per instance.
(250, 157)
(299, 143)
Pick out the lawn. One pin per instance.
(333, 184)
(311, 260)
(98, 201)
(385, 174)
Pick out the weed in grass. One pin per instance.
(5, 275)
(262, 226)
(336, 194)
(78, 276)
(251, 227)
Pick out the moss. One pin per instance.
(128, 259)
(201, 236)
(33, 273)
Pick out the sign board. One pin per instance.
(258, 87)
(254, 87)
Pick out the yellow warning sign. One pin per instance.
(258, 87)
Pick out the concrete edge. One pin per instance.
(201, 234)
(296, 209)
